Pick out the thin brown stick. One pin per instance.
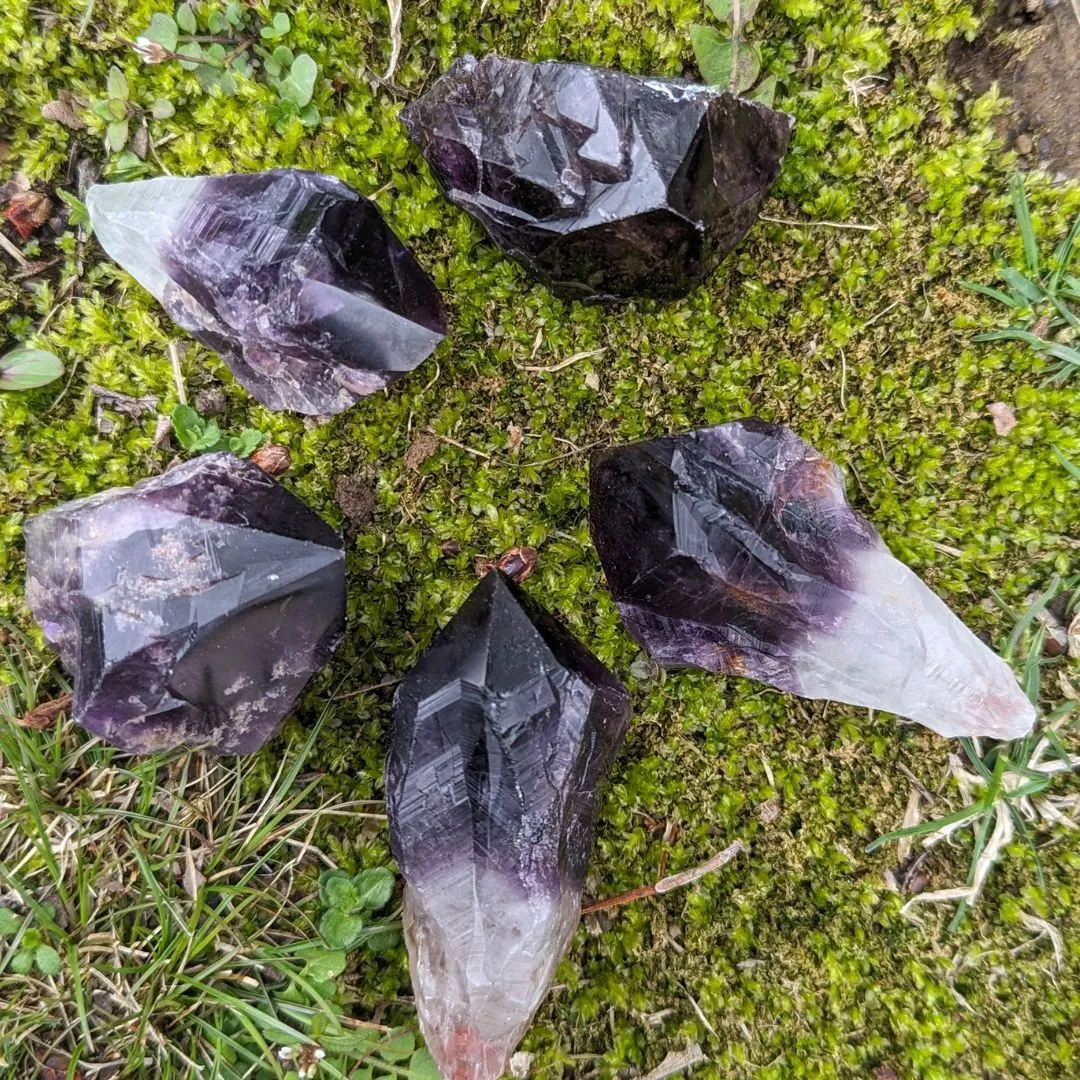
(667, 884)
(368, 689)
(562, 363)
(178, 375)
(825, 224)
(13, 251)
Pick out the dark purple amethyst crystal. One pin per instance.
(604, 185)
(191, 608)
(291, 276)
(501, 734)
(733, 548)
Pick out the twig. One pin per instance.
(843, 380)
(13, 251)
(884, 311)
(558, 457)
(395, 7)
(826, 224)
(368, 689)
(178, 375)
(562, 363)
(667, 884)
(460, 446)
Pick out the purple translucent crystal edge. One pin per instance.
(499, 656)
(734, 548)
(164, 675)
(664, 245)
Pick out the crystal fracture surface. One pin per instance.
(291, 276)
(733, 548)
(191, 608)
(500, 736)
(603, 184)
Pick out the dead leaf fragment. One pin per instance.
(1003, 416)
(422, 447)
(274, 460)
(56, 1068)
(886, 1072)
(64, 110)
(514, 435)
(45, 714)
(27, 211)
(518, 562)
(676, 1062)
(1074, 637)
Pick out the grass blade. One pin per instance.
(993, 294)
(925, 827)
(1023, 219)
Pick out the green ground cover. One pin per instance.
(794, 961)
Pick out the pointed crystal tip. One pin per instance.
(733, 548)
(292, 277)
(501, 735)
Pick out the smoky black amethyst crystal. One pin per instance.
(191, 608)
(501, 734)
(603, 184)
(733, 548)
(292, 277)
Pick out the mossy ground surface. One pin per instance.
(794, 961)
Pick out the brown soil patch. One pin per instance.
(1031, 48)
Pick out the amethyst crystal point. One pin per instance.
(291, 276)
(603, 184)
(733, 548)
(191, 608)
(501, 735)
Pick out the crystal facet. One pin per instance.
(500, 736)
(733, 548)
(291, 276)
(191, 608)
(603, 184)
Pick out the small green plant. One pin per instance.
(198, 435)
(725, 58)
(26, 369)
(349, 902)
(1041, 300)
(1009, 792)
(30, 950)
(120, 113)
(223, 44)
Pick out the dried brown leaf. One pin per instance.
(66, 110)
(45, 714)
(27, 211)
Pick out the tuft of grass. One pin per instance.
(1011, 791)
(176, 894)
(1040, 300)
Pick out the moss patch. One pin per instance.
(792, 962)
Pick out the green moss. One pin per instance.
(796, 954)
